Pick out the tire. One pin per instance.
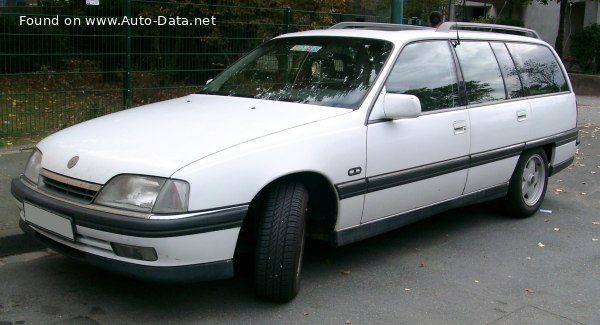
(528, 184)
(280, 242)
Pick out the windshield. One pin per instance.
(328, 71)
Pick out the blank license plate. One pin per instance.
(48, 221)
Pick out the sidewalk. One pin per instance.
(12, 164)
(12, 239)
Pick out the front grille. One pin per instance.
(69, 188)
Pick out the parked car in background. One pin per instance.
(337, 134)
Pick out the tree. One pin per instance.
(559, 43)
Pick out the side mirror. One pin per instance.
(400, 106)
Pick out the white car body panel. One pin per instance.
(350, 212)
(385, 203)
(552, 114)
(394, 146)
(563, 153)
(138, 140)
(329, 147)
(497, 126)
(484, 176)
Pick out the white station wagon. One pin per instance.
(333, 134)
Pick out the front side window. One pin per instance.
(426, 70)
(538, 69)
(482, 75)
(327, 71)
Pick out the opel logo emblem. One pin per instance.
(72, 162)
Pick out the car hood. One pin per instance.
(158, 139)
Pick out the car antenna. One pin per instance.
(457, 43)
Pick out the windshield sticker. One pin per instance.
(306, 48)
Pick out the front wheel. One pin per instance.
(280, 242)
(528, 184)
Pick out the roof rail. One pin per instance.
(376, 26)
(493, 28)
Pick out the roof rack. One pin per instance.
(493, 28)
(376, 26)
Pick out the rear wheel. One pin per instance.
(528, 184)
(280, 242)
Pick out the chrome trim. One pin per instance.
(71, 181)
(127, 213)
(89, 206)
(196, 214)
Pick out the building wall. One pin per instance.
(543, 19)
(592, 13)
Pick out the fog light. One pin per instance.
(135, 252)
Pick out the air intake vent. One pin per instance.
(69, 188)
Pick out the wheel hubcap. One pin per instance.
(533, 180)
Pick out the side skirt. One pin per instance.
(380, 226)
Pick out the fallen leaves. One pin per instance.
(556, 229)
(596, 223)
(529, 290)
(346, 272)
(541, 245)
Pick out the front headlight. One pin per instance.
(34, 166)
(145, 194)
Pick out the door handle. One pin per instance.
(521, 115)
(460, 126)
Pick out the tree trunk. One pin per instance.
(558, 46)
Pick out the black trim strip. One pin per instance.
(483, 158)
(381, 182)
(406, 176)
(185, 273)
(557, 139)
(380, 226)
(558, 167)
(352, 188)
(131, 226)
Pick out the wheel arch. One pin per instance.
(322, 210)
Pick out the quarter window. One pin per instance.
(538, 69)
(426, 70)
(482, 75)
(514, 89)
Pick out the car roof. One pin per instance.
(405, 36)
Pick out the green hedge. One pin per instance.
(585, 47)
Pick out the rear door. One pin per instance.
(500, 117)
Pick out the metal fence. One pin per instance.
(60, 65)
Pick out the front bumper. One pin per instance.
(197, 247)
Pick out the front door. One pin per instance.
(413, 163)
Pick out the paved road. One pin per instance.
(469, 266)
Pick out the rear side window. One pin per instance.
(481, 73)
(426, 70)
(538, 69)
(514, 88)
